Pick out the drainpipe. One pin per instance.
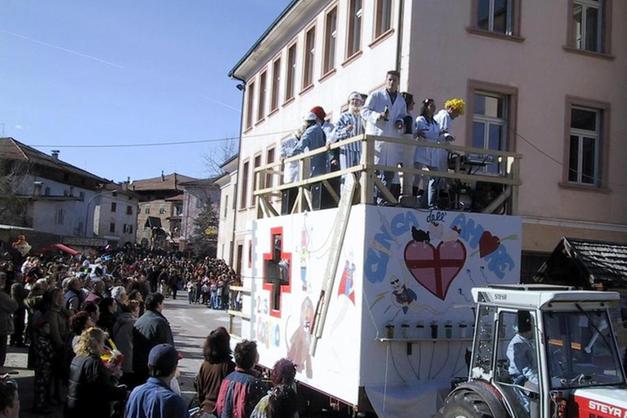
(239, 149)
(399, 36)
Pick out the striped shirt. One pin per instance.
(350, 154)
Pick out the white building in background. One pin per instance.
(546, 79)
(227, 212)
(115, 215)
(59, 196)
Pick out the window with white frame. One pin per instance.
(490, 126)
(496, 16)
(584, 147)
(588, 24)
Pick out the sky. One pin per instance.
(114, 72)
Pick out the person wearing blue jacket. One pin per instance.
(314, 138)
(155, 398)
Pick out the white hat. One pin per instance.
(354, 95)
(310, 117)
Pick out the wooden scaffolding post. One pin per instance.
(366, 183)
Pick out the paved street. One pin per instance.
(190, 325)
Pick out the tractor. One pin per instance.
(541, 352)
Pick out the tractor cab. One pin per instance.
(541, 351)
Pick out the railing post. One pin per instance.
(366, 183)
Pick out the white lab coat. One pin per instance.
(428, 132)
(290, 171)
(386, 153)
(440, 156)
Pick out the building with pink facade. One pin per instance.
(545, 79)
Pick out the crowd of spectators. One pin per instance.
(90, 323)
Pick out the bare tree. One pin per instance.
(13, 207)
(219, 155)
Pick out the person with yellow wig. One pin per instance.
(444, 118)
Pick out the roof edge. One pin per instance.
(263, 36)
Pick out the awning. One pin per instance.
(61, 247)
(153, 222)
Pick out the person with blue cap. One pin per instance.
(155, 398)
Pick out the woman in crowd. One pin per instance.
(282, 394)
(91, 388)
(43, 353)
(79, 323)
(217, 364)
(18, 294)
(93, 310)
(122, 335)
(58, 320)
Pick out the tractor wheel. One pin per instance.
(466, 404)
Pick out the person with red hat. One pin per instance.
(314, 138)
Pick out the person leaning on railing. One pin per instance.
(383, 113)
(348, 125)
(314, 138)
(444, 118)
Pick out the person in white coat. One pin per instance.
(383, 113)
(427, 130)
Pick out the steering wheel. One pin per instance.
(579, 379)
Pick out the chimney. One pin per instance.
(55, 154)
(162, 176)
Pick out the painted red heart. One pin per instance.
(488, 244)
(435, 268)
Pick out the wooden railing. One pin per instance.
(268, 196)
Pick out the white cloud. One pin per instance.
(19, 127)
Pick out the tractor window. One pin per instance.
(484, 343)
(516, 359)
(581, 350)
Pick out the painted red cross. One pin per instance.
(273, 283)
(435, 268)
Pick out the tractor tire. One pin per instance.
(466, 404)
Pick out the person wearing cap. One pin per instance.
(348, 125)
(314, 138)
(9, 398)
(290, 170)
(155, 398)
(383, 112)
